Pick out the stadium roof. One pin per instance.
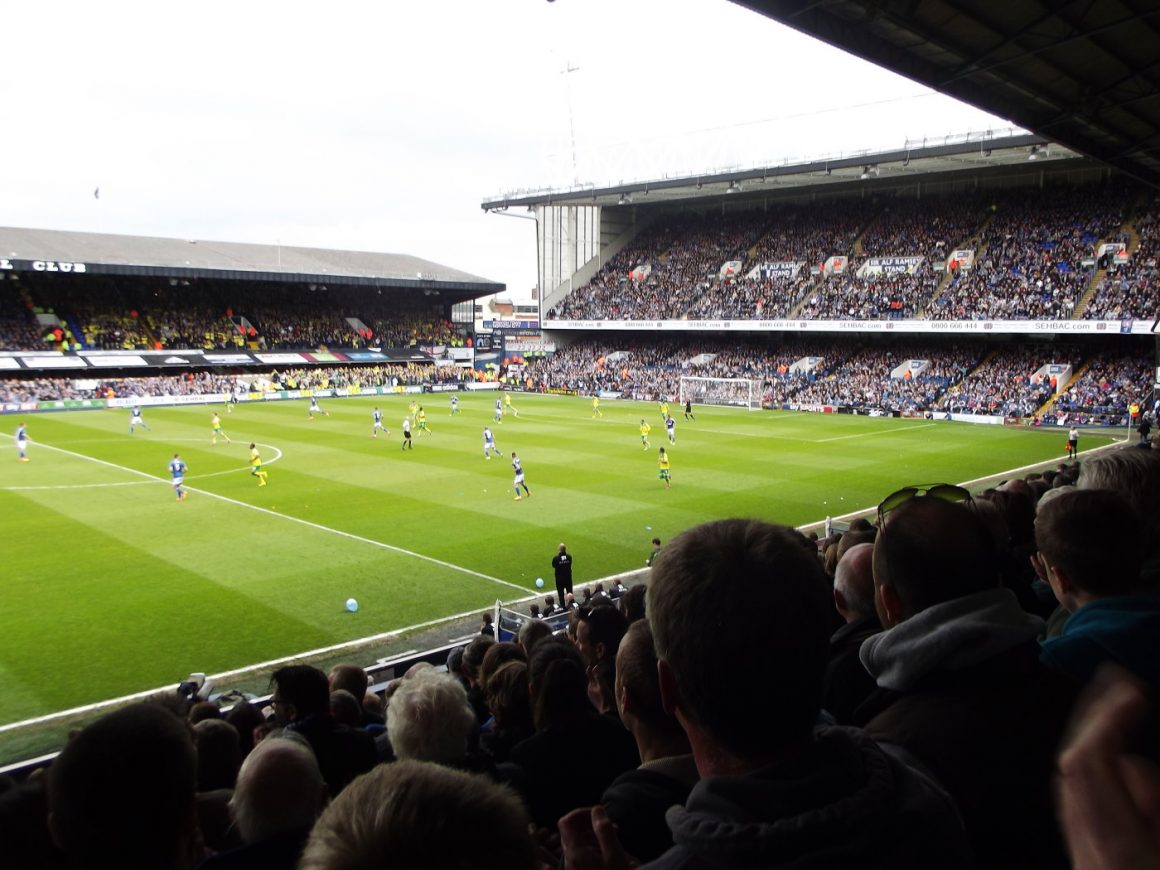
(1080, 73)
(143, 255)
(926, 161)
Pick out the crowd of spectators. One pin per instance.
(867, 378)
(795, 372)
(1128, 291)
(1004, 384)
(134, 313)
(1107, 386)
(865, 718)
(1029, 261)
(1030, 247)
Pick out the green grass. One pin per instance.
(112, 587)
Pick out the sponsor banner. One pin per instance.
(60, 405)
(963, 258)
(608, 394)
(729, 269)
(8, 363)
(523, 345)
(511, 324)
(229, 359)
(482, 341)
(985, 419)
(876, 266)
(444, 388)
(53, 362)
(769, 271)
(323, 356)
(557, 391)
(281, 358)
(1135, 327)
(154, 401)
(476, 386)
(365, 356)
(42, 266)
(113, 362)
(835, 266)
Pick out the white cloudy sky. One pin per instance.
(382, 124)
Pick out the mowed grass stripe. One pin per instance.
(282, 583)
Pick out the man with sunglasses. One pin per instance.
(960, 685)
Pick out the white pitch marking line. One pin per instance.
(878, 432)
(273, 459)
(1006, 473)
(338, 647)
(349, 535)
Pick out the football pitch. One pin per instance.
(112, 586)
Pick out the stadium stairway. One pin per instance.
(1098, 278)
(973, 242)
(1075, 376)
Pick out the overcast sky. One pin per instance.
(382, 125)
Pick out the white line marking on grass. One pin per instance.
(1006, 473)
(349, 535)
(170, 687)
(878, 432)
(277, 455)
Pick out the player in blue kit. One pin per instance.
(671, 429)
(454, 405)
(314, 408)
(177, 471)
(378, 424)
(519, 480)
(135, 420)
(489, 443)
(498, 411)
(22, 442)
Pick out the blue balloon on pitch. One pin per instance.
(539, 582)
(352, 605)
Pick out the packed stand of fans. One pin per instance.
(1030, 246)
(798, 372)
(135, 313)
(1129, 291)
(864, 379)
(1028, 264)
(930, 229)
(865, 718)
(1107, 386)
(1004, 385)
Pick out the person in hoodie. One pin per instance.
(776, 790)
(1090, 548)
(960, 684)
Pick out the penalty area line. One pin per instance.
(878, 432)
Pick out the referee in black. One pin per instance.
(562, 565)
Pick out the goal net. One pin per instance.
(738, 392)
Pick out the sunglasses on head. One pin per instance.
(941, 491)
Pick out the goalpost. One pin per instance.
(736, 392)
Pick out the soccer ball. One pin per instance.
(352, 605)
(539, 582)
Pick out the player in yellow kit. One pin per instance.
(256, 465)
(596, 412)
(665, 473)
(215, 425)
(645, 428)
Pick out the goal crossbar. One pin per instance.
(734, 392)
